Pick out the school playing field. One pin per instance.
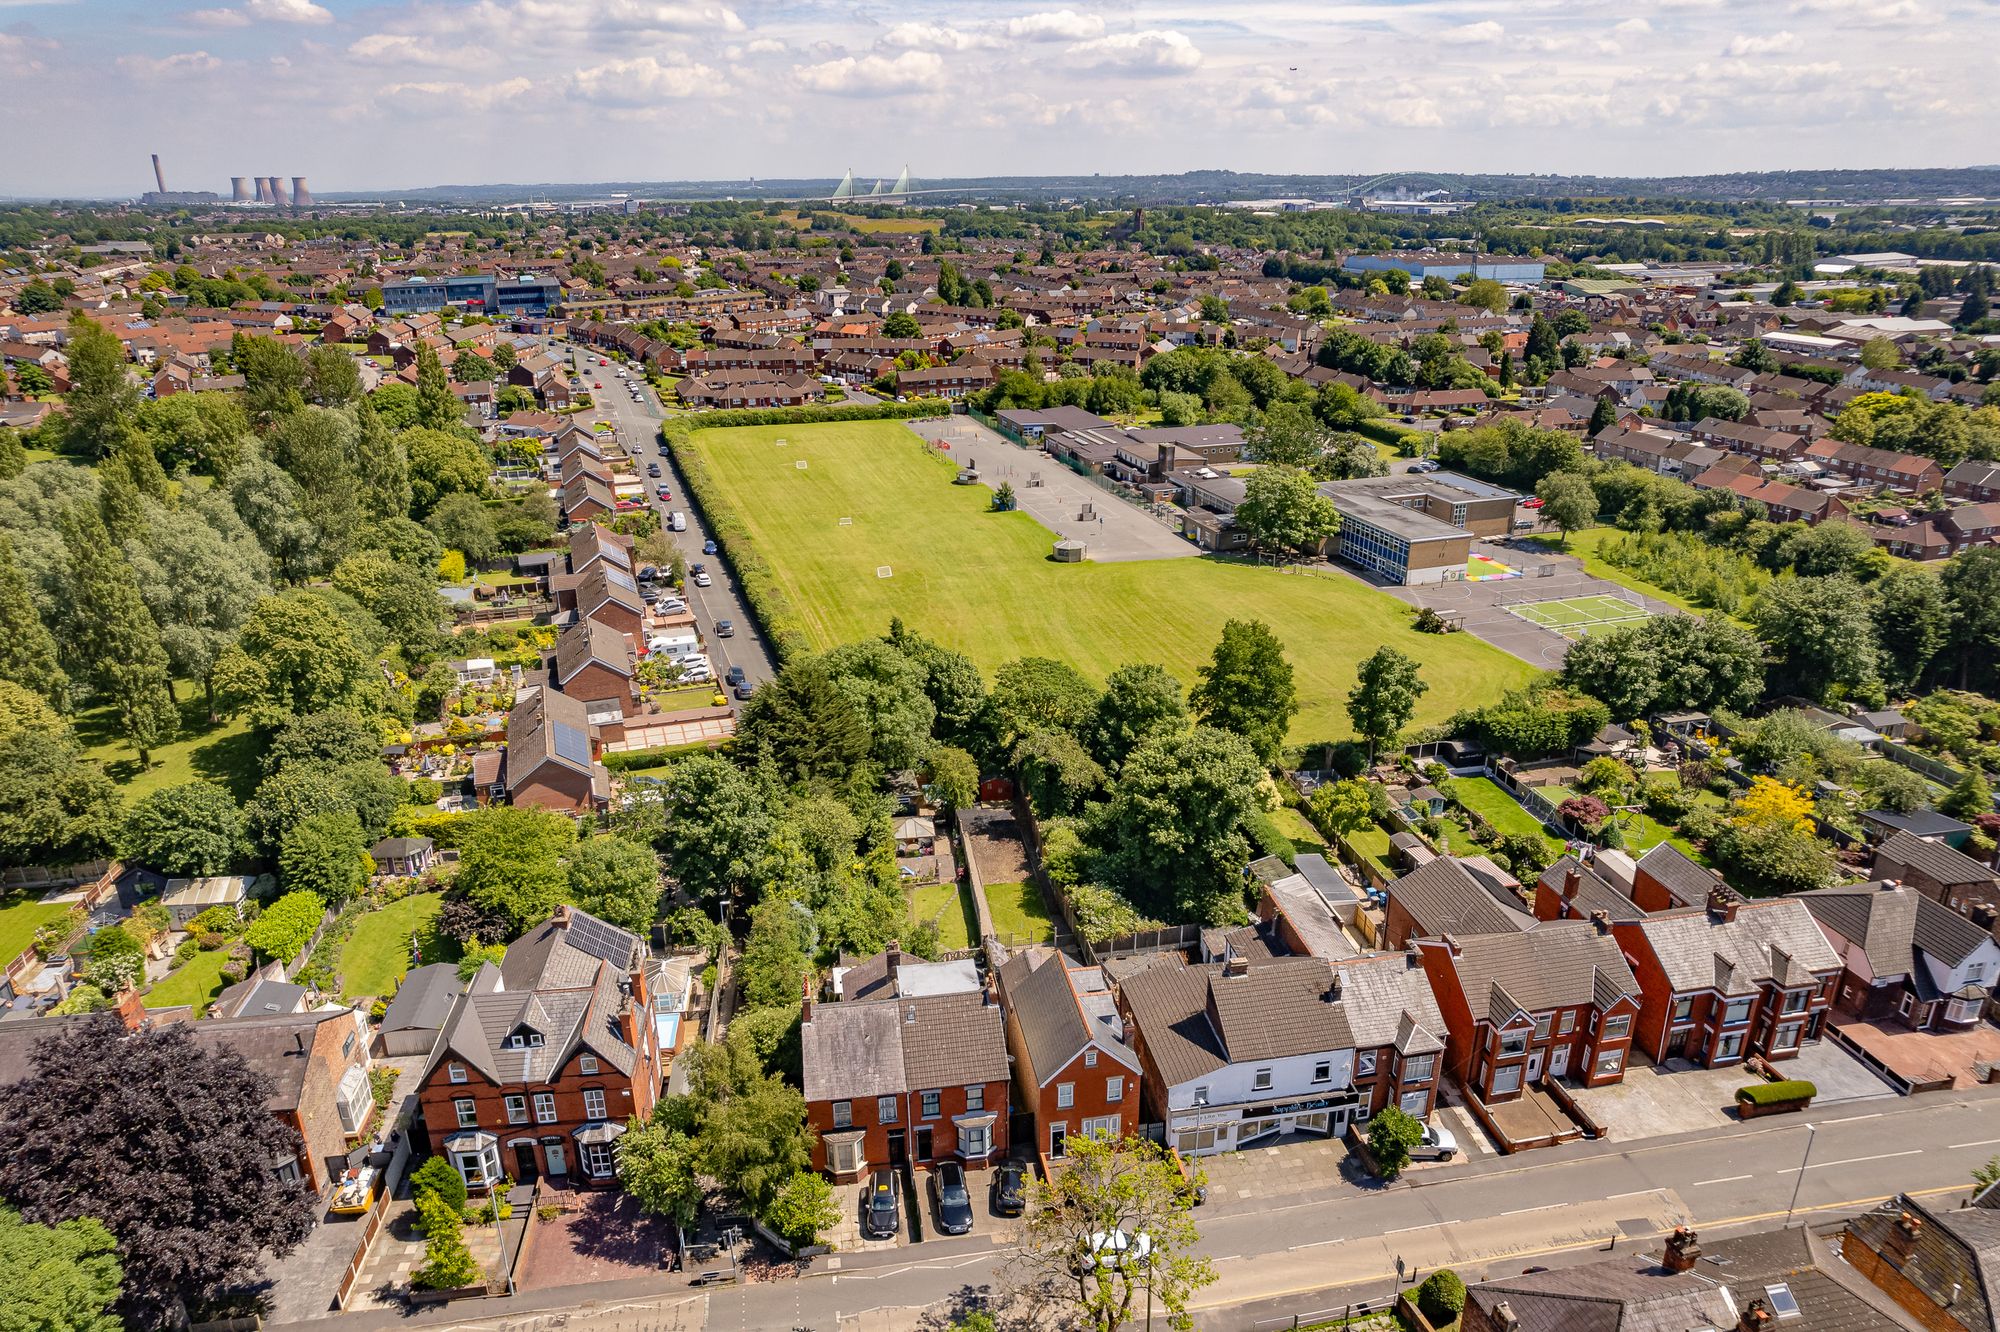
(870, 527)
(1577, 617)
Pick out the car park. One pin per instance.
(951, 1199)
(1009, 1194)
(880, 1213)
(1437, 1144)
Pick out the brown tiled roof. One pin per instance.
(1557, 965)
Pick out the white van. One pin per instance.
(679, 522)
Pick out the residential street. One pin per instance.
(639, 430)
(1308, 1255)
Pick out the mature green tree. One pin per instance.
(298, 791)
(1039, 693)
(443, 462)
(887, 687)
(515, 860)
(326, 854)
(1829, 548)
(273, 377)
(756, 1140)
(803, 726)
(114, 641)
(953, 776)
(1392, 1136)
(200, 573)
(462, 523)
(504, 357)
(1289, 435)
(193, 829)
(1913, 623)
(1282, 512)
(902, 324)
(317, 448)
(616, 879)
(1569, 503)
(404, 597)
(60, 1278)
(28, 654)
(335, 737)
(1170, 836)
(472, 368)
(1139, 702)
(1124, 1187)
(1819, 632)
(56, 807)
(1384, 697)
(37, 297)
(527, 523)
(1247, 687)
(203, 432)
(1057, 773)
(381, 463)
(660, 1166)
(296, 655)
(777, 954)
(1669, 663)
(955, 688)
(274, 509)
(438, 408)
(718, 824)
(1484, 294)
(1766, 856)
(102, 406)
(1970, 798)
(332, 378)
(1348, 806)
(1972, 589)
(1880, 354)
(198, 1218)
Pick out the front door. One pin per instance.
(895, 1147)
(558, 1164)
(923, 1144)
(1058, 1140)
(1535, 1066)
(1559, 1061)
(525, 1168)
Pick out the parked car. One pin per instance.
(1532, 502)
(880, 1216)
(1437, 1144)
(1425, 465)
(697, 567)
(725, 628)
(1113, 1248)
(708, 547)
(743, 691)
(703, 580)
(670, 605)
(652, 469)
(950, 1197)
(1010, 1189)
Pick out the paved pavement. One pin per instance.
(1056, 497)
(638, 426)
(1650, 1102)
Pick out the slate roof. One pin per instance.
(1681, 876)
(589, 641)
(1958, 1248)
(1443, 897)
(1039, 990)
(1934, 860)
(425, 999)
(1774, 940)
(277, 1046)
(1892, 924)
(875, 1047)
(1562, 964)
(1593, 891)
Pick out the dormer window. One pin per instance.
(527, 1038)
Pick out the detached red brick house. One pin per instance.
(546, 1057)
(1730, 979)
(1074, 1065)
(1558, 1001)
(551, 759)
(917, 1078)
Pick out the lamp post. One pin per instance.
(500, 1233)
(1812, 1131)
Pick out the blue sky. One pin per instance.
(389, 94)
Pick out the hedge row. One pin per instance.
(1777, 1093)
(762, 593)
(624, 760)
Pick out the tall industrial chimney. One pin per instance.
(159, 176)
(301, 196)
(263, 189)
(239, 189)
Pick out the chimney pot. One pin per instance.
(1504, 1315)
(1572, 883)
(1723, 902)
(1683, 1249)
(1235, 964)
(1756, 1316)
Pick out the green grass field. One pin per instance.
(18, 922)
(1305, 838)
(947, 906)
(1575, 617)
(195, 984)
(1642, 832)
(225, 752)
(378, 952)
(983, 583)
(1584, 545)
(1019, 915)
(1490, 801)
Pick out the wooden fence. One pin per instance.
(392, 1176)
(27, 878)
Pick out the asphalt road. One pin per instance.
(638, 426)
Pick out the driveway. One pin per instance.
(638, 427)
(1652, 1102)
(1057, 498)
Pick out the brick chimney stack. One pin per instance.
(1683, 1250)
(628, 1023)
(131, 1010)
(1902, 1238)
(1602, 920)
(806, 999)
(1756, 1316)
(1572, 883)
(1235, 964)
(1722, 903)
(892, 960)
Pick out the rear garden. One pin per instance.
(1019, 914)
(946, 906)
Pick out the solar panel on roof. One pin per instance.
(572, 744)
(618, 578)
(599, 939)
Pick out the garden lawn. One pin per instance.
(225, 752)
(1305, 838)
(1019, 915)
(984, 582)
(378, 952)
(195, 984)
(18, 922)
(1490, 801)
(1373, 843)
(1642, 831)
(949, 907)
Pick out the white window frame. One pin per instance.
(975, 1096)
(1544, 1025)
(843, 1114)
(1261, 1080)
(1512, 1044)
(1323, 1071)
(1568, 1023)
(545, 1107)
(593, 1103)
(1506, 1079)
(598, 1160)
(1610, 1061)
(1090, 1059)
(517, 1108)
(1684, 1008)
(586, 1064)
(1419, 1068)
(1747, 1004)
(1058, 1140)
(456, 1072)
(467, 1111)
(885, 1110)
(1364, 1064)
(1618, 1028)
(1114, 1089)
(844, 1157)
(975, 1140)
(1065, 1095)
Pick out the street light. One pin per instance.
(1812, 1131)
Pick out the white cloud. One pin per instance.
(289, 11)
(169, 66)
(18, 53)
(1061, 25)
(443, 96)
(1632, 27)
(219, 18)
(401, 48)
(1154, 51)
(1473, 34)
(644, 80)
(628, 16)
(763, 46)
(1777, 43)
(874, 75)
(930, 37)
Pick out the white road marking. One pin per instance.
(1983, 1142)
(1852, 1160)
(1726, 1179)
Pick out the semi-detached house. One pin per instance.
(1905, 956)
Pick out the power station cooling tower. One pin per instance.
(239, 189)
(301, 196)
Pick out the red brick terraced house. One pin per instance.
(545, 1057)
(1558, 1001)
(895, 1079)
(1730, 979)
(1074, 1065)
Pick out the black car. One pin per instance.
(949, 1196)
(725, 628)
(735, 675)
(1010, 1189)
(879, 1216)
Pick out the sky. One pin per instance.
(376, 95)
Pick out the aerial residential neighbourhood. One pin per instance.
(1318, 668)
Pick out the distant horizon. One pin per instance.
(350, 93)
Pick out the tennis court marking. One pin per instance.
(1573, 616)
